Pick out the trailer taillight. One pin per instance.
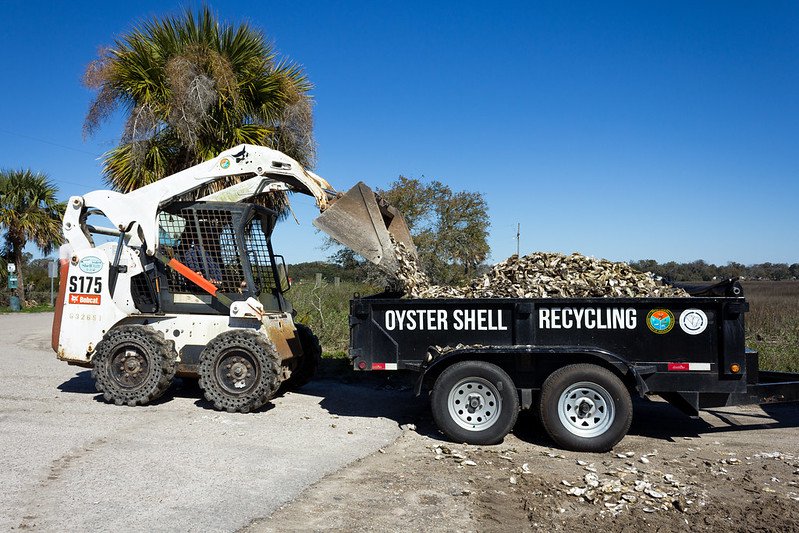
(688, 367)
(384, 366)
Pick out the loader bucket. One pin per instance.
(365, 223)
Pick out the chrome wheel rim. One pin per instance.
(474, 404)
(586, 409)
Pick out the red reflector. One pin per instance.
(678, 367)
(378, 366)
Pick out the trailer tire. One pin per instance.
(133, 365)
(585, 408)
(239, 370)
(475, 402)
(309, 362)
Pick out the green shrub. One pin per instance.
(326, 309)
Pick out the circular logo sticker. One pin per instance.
(660, 320)
(693, 321)
(225, 162)
(91, 264)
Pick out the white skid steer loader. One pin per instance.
(194, 288)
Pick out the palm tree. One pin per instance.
(29, 211)
(191, 88)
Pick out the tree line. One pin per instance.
(699, 270)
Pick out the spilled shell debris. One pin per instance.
(628, 487)
(539, 275)
(614, 488)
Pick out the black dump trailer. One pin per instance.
(576, 361)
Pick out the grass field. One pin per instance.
(772, 325)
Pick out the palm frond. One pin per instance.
(29, 209)
(191, 87)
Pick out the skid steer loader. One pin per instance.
(194, 288)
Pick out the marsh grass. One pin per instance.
(772, 323)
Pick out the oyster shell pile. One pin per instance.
(539, 275)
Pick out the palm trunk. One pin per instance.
(20, 282)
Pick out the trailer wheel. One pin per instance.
(585, 408)
(309, 362)
(133, 365)
(475, 402)
(239, 370)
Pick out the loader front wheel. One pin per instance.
(133, 365)
(239, 371)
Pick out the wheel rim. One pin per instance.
(237, 371)
(474, 404)
(586, 409)
(130, 367)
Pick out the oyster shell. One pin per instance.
(539, 275)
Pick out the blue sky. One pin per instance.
(665, 130)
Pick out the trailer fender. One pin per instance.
(439, 361)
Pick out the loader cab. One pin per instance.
(229, 245)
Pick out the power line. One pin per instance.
(51, 143)
(45, 141)
(69, 182)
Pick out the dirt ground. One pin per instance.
(735, 469)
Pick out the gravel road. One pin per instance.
(73, 463)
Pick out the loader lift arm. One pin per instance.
(358, 219)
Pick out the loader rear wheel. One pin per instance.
(133, 365)
(475, 402)
(585, 408)
(239, 370)
(309, 362)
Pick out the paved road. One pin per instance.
(71, 462)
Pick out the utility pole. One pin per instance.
(518, 232)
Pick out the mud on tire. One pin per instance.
(133, 365)
(239, 370)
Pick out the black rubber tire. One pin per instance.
(559, 381)
(250, 350)
(133, 365)
(309, 362)
(477, 370)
